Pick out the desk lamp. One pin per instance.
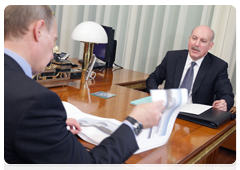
(89, 33)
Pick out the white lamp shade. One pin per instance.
(90, 32)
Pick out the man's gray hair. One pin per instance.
(17, 19)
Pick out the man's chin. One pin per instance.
(195, 56)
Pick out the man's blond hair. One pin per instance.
(17, 19)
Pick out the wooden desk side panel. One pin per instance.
(230, 143)
(209, 154)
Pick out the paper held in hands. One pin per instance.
(149, 138)
(94, 133)
(174, 100)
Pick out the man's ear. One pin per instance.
(210, 46)
(38, 29)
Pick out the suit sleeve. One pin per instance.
(157, 77)
(223, 87)
(42, 137)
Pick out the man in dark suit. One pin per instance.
(210, 84)
(34, 118)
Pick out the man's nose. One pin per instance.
(197, 43)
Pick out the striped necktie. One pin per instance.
(187, 81)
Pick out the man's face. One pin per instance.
(45, 52)
(200, 42)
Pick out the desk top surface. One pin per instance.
(187, 139)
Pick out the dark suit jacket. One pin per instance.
(35, 129)
(211, 82)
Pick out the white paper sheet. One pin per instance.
(195, 109)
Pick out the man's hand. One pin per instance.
(220, 105)
(73, 123)
(148, 114)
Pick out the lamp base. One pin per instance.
(87, 54)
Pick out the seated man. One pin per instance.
(35, 120)
(209, 83)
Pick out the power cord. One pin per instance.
(117, 65)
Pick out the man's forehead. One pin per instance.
(202, 32)
(202, 35)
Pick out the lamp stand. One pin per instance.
(87, 54)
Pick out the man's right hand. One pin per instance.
(149, 114)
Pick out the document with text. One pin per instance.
(95, 129)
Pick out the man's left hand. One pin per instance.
(220, 105)
(75, 127)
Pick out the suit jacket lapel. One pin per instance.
(179, 68)
(206, 64)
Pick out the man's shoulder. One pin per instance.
(14, 76)
(216, 59)
(177, 52)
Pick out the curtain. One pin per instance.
(144, 33)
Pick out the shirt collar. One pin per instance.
(21, 61)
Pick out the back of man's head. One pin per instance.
(17, 19)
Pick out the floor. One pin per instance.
(225, 156)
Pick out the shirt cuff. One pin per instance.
(130, 125)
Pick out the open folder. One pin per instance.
(211, 117)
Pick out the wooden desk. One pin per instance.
(188, 143)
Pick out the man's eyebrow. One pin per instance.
(204, 39)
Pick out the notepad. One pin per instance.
(142, 100)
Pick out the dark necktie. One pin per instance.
(187, 81)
